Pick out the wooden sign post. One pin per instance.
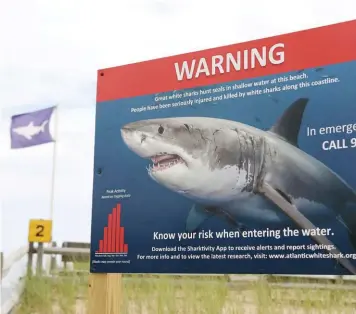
(40, 231)
(105, 293)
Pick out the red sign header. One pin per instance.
(315, 47)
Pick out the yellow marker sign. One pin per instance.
(40, 231)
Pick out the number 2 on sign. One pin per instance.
(40, 231)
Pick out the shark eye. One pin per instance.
(160, 129)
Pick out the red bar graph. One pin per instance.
(109, 233)
(101, 246)
(121, 245)
(106, 239)
(114, 234)
(117, 230)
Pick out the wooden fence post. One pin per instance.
(105, 293)
(1, 263)
(39, 267)
(30, 259)
(53, 264)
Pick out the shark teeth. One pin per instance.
(164, 161)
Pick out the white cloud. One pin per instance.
(51, 51)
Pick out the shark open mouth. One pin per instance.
(165, 161)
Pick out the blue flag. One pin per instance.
(31, 128)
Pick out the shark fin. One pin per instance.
(351, 232)
(347, 218)
(285, 203)
(352, 235)
(232, 222)
(288, 125)
(196, 217)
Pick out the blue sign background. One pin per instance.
(153, 208)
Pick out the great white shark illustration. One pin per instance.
(245, 175)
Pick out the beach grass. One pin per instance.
(157, 294)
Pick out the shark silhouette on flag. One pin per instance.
(246, 175)
(31, 128)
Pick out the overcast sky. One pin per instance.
(50, 52)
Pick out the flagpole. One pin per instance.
(53, 177)
(54, 158)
